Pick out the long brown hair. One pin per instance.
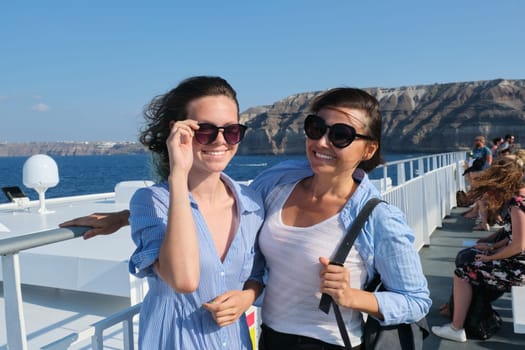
(500, 181)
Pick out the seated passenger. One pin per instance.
(495, 144)
(496, 267)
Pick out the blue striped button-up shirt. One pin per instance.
(171, 320)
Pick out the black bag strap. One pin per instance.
(353, 231)
(339, 259)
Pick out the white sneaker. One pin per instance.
(450, 333)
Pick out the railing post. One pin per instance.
(459, 174)
(385, 177)
(14, 313)
(426, 209)
(97, 340)
(400, 173)
(127, 327)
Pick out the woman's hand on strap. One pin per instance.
(335, 281)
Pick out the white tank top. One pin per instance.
(291, 300)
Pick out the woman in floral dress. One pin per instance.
(500, 266)
(503, 273)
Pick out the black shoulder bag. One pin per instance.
(393, 337)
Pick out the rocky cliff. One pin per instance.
(69, 148)
(425, 118)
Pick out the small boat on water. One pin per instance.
(56, 286)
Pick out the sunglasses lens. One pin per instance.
(341, 135)
(233, 134)
(314, 127)
(206, 134)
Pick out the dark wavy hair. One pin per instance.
(357, 99)
(172, 106)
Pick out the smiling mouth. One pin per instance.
(215, 153)
(323, 156)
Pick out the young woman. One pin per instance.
(195, 230)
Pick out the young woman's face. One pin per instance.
(325, 157)
(220, 111)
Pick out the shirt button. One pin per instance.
(222, 273)
(224, 344)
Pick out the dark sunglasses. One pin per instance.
(207, 133)
(340, 135)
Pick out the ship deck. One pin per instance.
(52, 313)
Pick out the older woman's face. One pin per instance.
(325, 157)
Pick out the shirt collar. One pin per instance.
(247, 200)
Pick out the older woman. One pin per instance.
(310, 206)
(195, 230)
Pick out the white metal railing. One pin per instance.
(9, 250)
(426, 193)
(423, 188)
(96, 332)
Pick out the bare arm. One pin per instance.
(101, 223)
(489, 158)
(488, 239)
(518, 242)
(178, 262)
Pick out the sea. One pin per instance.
(80, 175)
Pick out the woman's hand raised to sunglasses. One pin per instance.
(180, 145)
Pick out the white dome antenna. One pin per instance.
(40, 172)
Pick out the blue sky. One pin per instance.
(83, 70)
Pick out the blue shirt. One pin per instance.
(482, 153)
(171, 320)
(386, 244)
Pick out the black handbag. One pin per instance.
(393, 337)
(405, 336)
